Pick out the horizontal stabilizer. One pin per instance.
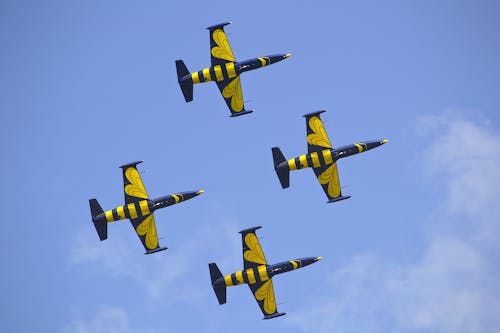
(220, 290)
(283, 173)
(101, 226)
(186, 86)
(338, 199)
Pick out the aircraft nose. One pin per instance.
(318, 258)
(288, 55)
(384, 141)
(200, 192)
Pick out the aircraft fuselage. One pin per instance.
(263, 273)
(328, 156)
(144, 207)
(230, 70)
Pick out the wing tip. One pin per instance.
(130, 164)
(250, 229)
(314, 113)
(219, 25)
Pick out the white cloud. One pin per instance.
(159, 274)
(106, 320)
(454, 286)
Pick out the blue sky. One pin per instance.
(88, 86)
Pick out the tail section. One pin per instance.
(186, 86)
(101, 226)
(283, 172)
(219, 288)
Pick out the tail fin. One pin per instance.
(220, 290)
(283, 172)
(186, 86)
(101, 226)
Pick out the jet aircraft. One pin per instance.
(321, 157)
(138, 209)
(225, 71)
(257, 274)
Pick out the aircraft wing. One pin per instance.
(264, 295)
(317, 139)
(253, 256)
(328, 177)
(136, 199)
(231, 91)
(220, 50)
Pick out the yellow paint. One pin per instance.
(176, 198)
(266, 293)
(385, 141)
(136, 187)
(144, 207)
(228, 281)
(148, 228)
(251, 276)
(288, 55)
(239, 277)
(200, 192)
(294, 264)
(233, 91)
(132, 210)
(254, 253)
(195, 77)
(109, 216)
(303, 161)
(319, 258)
(223, 49)
(206, 74)
(121, 213)
(327, 156)
(315, 160)
(218, 73)
(319, 136)
(291, 164)
(331, 177)
(263, 273)
(262, 61)
(231, 72)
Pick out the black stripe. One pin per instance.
(245, 276)
(233, 279)
(297, 163)
(256, 274)
(200, 76)
(309, 160)
(126, 212)
(320, 157)
(115, 215)
(224, 71)
(212, 74)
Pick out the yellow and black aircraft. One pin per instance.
(257, 274)
(321, 157)
(225, 71)
(138, 209)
